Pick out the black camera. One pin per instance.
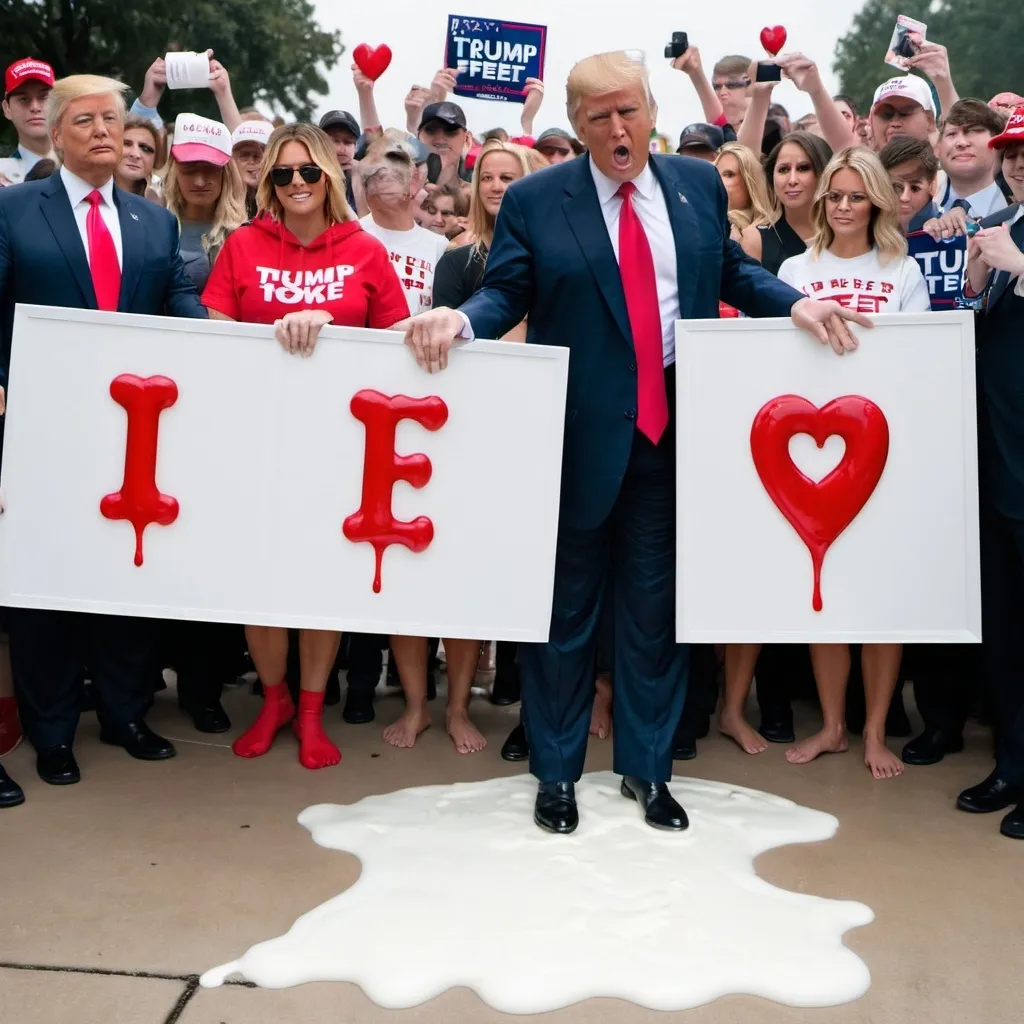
(767, 71)
(679, 45)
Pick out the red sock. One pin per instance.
(315, 749)
(276, 713)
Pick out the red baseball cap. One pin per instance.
(1013, 132)
(28, 69)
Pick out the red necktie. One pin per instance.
(103, 265)
(636, 267)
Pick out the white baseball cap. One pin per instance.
(198, 139)
(252, 131)
(909, 87)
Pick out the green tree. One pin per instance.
(273, 50)
(984, 39)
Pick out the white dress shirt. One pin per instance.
(652, 211)
(981, 204)
(77, 190)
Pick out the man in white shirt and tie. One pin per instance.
(603, 255)
(968, 161)
(76, 240)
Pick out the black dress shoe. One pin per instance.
(994, 794)
(207, 718)
(684, 748)
(139, 740)
(358, 708)
(57, 766)
(505, 691)
(661, 810)
(555, 810)
(931, 747)
(10, 792)
(1013, 824)
(517, 746)
(777, 729)
(332, 692)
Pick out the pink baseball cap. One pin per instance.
(1006, 99)
(1013, 132)
(199, 139)
(28, 69)
(908, 87)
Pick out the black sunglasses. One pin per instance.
(309, 173)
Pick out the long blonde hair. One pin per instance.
(228, 214)
(884, 229)
(321, 153)
(481, 223)
(760, 209)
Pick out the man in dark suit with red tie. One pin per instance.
(76, 240)
(604, 255)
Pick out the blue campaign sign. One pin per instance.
(494, 57)
(943, 265)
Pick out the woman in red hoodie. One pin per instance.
(302, 263)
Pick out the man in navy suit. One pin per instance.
(604, 255)
(75, 240)
(996, 271)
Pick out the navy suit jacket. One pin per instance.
(552, 260)
(43, 261)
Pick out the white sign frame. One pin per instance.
(743, 573)
(487, 574)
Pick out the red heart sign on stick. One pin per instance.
(373, 61)
(819, 512)
(773, 39)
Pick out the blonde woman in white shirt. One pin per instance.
(859, 258)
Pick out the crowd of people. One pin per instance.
(353, 223)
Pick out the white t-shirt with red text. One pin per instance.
(414, 255)
(863, 283)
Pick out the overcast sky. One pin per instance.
(415, 31)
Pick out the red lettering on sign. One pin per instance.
(383, 467)
(139, 500)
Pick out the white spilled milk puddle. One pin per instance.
(460, 888)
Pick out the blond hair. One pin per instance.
(605, 72)
(884, 228)
(76, 87)
(537, 160)
(321, 153)
(481, 223)
(229, 212)
(733, 64)
(760, 209)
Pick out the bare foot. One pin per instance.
(404, 732)
(465, 735)
(601, 715)
(828, 741)
(736, 728)
(881, 761)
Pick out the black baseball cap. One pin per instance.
(701, 136)
(340, 119)
(447, 113)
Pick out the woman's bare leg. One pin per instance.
(410, 653)
(831, 671)
(462, 657)
(880, 664)
(740, 660)
(601, 715)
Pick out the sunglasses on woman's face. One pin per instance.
(309, 173)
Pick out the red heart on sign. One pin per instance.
(773, 39)
(820, 511)
(373, 61)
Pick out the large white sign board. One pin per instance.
(265, 459)
(906, 567)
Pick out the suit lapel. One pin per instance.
(684, 229)
(61, 218)
(583, 211)
(132, 248)
(1002, 278)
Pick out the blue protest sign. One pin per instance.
(494, 57)
(943, 265)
